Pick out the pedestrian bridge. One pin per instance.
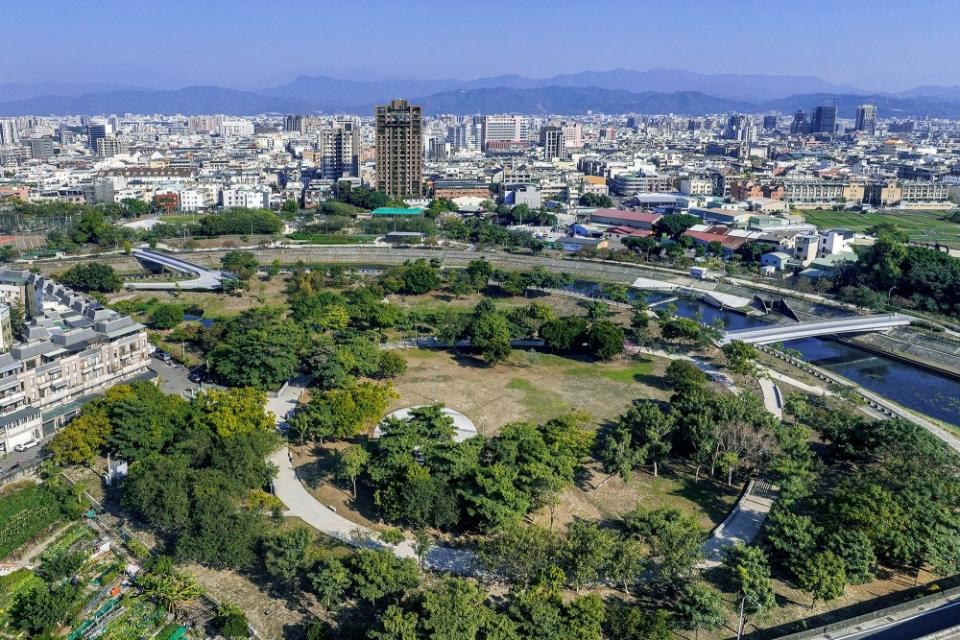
(782, 333)
(157, 262)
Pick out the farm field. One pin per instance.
(922, 225)
(24, 513)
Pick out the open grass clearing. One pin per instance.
(530, 386)
(925, 226)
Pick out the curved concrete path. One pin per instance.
(741, 526)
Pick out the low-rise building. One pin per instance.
(73, 349)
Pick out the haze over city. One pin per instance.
(249, 45)
(492, 321)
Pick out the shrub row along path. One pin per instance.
(741, 526)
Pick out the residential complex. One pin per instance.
(72, 348)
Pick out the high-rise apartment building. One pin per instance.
(9, 133)
(866, 119)
(572, 134)
(399, 142)
(339, 150)
(824, 120)
(799, 125)
(97, 131)
(553, 141)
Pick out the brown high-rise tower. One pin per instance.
(400, 149)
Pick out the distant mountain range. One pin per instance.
(616, 91)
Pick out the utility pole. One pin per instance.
(740, 622)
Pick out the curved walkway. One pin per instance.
(741, 526)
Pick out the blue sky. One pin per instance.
(884, 44)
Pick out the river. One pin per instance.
(923, 391)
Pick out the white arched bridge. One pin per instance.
(785, 332)
(157, 262)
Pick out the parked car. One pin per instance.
(29, 444)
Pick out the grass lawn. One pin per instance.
(331, 238)
(595, 497)
(530, 386)
(922, 226)
(181, 218)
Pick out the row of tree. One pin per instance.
(885, 495)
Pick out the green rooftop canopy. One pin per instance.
(397, 211)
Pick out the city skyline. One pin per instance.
(240, 45)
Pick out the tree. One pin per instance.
(856, 549)
(606, 339)
(91, 277)
(495, 499)
(564, 334)
(740, 356)
(242, 264)
(290, 206)
(823, 576)
(479, 272)
(341, 413)
(395, 624)
(390, 364)
(285, 553)
(673, 538)
(682, 330)
(330, 581)
(627, 563)
(522, 554)
(684, 377)
(157, 489)
(587, 551)
(619, 453)
(455, 609)
(792, 536)
(635, 623)
(82, 439)
(166, 316)
(750, 575)
(167, 586)
(674, 225)
(591, 199)
(259, 348)
(350, 463)
(232, 412)
(490, 334)
(419, 277)
(231, 621)
(650, 428)
(378, 574)
(700, 608)
(42, 606)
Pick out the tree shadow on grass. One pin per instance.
(657, 382)
(709, 493)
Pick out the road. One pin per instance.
(926, 620)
